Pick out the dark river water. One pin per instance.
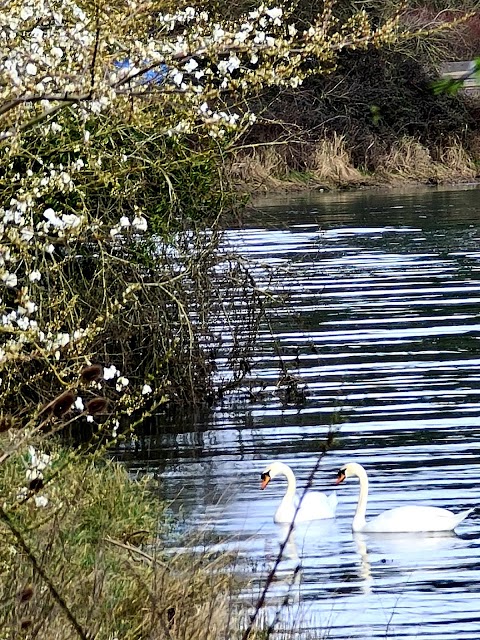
(381, 323)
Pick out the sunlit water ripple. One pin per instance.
(382, 325)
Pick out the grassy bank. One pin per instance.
(330, 166)
(82, 555)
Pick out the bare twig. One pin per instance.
(261, 600)
(139, 552)
(95, 49)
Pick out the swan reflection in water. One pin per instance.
(289, 573)
(381, 555)
(365, 568)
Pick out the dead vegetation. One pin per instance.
(330, 166)
(375, 121)
(409, 160)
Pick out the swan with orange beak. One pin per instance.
(313, 506)
(407, 519)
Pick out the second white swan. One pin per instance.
(314, 505)
(413, 518)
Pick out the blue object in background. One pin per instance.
(157, 75)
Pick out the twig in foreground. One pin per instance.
(261, 600)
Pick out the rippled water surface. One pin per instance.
(382, 325)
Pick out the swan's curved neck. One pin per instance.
(285, 470)
(359, 520)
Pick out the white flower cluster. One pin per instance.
(36, 465)
(112, 372)
(59, 222)
(47, 48)
(138, 224)
(27, 253)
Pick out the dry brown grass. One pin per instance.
(474, 147)
(409, 160)
(261, 168)
(328, 164)
(458, 162)
(324, 164)
(332, 163)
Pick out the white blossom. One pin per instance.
(35, 276)
(31, 69)
(178, 78)
(71, 220)
(27, 234)
(140, 223)
(40, 501)
(121, 383)
(110, 372)
(23, 493)
(26, 13)
(39, 460)
(233, 63)
(34, 474)
(146, 389)
(275, 14)
(62, 339)
(23, 323)
(191, 65)
(218, 33)
(52, 217)
(9, 279)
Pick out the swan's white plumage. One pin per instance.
(409, 519)
(314, 505)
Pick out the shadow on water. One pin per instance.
(382, 326)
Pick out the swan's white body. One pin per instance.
(409, 519)
(314, 505)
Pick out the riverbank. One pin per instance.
(84, 556)
(377, 120)
(408, 163)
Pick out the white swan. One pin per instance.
(314, 505)
(413, 518)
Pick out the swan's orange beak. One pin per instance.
(340, 477)
(265, 477)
